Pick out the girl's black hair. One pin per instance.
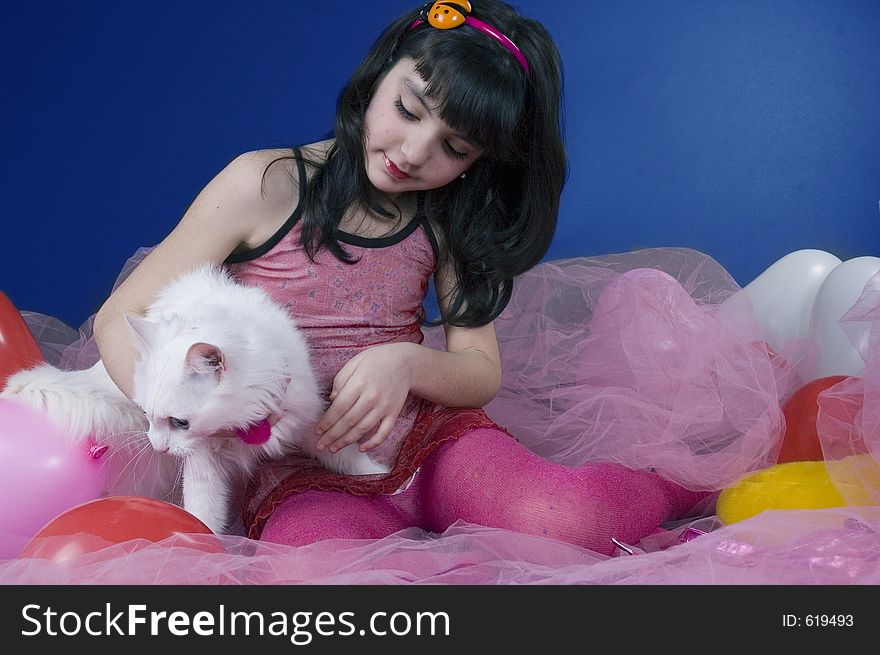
(499, 220)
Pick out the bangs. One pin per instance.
(463, 80)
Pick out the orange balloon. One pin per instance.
(801, 440)
(18, 349)
(100, 523)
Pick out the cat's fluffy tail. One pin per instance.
(80, 403)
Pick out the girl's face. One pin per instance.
(408, 148)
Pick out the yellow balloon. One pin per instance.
(854, 480)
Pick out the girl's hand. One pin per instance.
(368, 394)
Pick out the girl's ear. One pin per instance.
(142, 330)
(204, 358)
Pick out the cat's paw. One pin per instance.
(368, 466)
(214, 520)
(351, 461)
(217, 526)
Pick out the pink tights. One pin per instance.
(487, 478)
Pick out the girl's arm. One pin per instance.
(233, 209)
(468, 374)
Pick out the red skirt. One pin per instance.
(292, 476)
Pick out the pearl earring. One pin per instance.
(462, 176)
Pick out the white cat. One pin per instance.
(215, 356)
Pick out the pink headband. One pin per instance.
(448, 15)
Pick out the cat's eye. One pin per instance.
(178, 423)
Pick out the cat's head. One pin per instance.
(190, 385)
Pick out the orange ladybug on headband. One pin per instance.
(446, 15)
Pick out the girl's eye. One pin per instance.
(455, 153)
(403, 112)
(412, 117)
(179, 423)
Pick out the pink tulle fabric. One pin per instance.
(848, 422)
(647, 359)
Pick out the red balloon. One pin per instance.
(18, 349)
(801, 440)
(100, 523)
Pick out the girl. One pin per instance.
(447, 159)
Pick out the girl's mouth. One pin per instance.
(393, 170)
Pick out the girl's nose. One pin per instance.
(415, 151)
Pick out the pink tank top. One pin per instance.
(345, 308)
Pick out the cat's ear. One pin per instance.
(142, 330)
(205, 358)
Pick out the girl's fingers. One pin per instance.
(356, 433)
(340, 407)
(382, 433)
(342, 377)
(351, 426)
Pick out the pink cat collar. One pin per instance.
(449, 15)
(255, 434)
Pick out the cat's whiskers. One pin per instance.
(178, 479)
(127, 437)
(123, 442)
(134, 446)
(134, 455)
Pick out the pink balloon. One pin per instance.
(641, 314)
(42, 475)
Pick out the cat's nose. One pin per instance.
(161, 450)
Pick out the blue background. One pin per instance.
(745, 129)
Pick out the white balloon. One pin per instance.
(783, 295)
(838, 292)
